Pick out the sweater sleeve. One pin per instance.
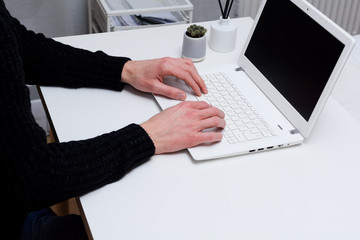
(51, 63)
(35, 174)
(52, 173)
(39, 174)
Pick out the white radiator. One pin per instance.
(346, 13)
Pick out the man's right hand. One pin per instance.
(181, 126)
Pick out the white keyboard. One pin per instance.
(243, 122)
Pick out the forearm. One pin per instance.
(55, 172)
(96, 162)
(51, 63)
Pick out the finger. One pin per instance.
(211, 112)
(181, 69)
(196, 83)
(209, 137)
(212, 122)
(189, 66)
(195, 77)
(188, 79)
(196, 105)
(169, 91)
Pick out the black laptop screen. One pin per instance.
(294, 53)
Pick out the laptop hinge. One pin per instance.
(294, 131)
(238, 69)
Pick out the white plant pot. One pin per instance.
(194, 48)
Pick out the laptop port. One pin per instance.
(270, 147)
(252, 150)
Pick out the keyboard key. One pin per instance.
(266, 133)
(252, 136)
(239, 136)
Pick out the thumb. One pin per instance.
(170, 92)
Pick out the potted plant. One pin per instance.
(194, 43)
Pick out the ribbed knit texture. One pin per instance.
(35, 174)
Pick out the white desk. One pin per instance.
(305, 192)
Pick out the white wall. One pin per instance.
(54, 18)
(207, 10)
(57, 18)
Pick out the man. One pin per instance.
(36, 175)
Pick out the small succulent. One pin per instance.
(195, 31)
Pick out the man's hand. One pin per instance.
(148, 75)
(181, 126)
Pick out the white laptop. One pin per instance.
(274, 94)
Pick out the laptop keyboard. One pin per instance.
(243, 122)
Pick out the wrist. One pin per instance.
(147, 129)
(127, 71)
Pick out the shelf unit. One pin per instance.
(114, 15)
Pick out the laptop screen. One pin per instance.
(294, 53)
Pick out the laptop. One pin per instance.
(284, 75)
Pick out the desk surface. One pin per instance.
(304, 192)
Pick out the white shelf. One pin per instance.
(115, 15)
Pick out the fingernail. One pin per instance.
(181, 96)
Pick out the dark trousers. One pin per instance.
(45, 224)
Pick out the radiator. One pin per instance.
(346, 13)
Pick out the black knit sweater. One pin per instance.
(35, 174)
